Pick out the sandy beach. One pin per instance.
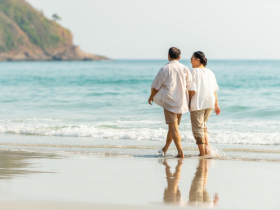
(32, 180)
(88, 140)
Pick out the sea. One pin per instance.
(101, 108)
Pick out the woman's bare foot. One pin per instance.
(201, 148)
(207, 150)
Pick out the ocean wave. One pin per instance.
(81, 81)
(144, 130)
(88, 131)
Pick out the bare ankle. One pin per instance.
(180, 156)
(207, 150)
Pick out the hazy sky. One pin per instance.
(145, 29)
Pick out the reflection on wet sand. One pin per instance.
(172, 193)
(14, 163)
(198, 195)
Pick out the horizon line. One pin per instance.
(209, 59)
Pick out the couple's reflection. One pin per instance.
(172, 193)
(198, 195)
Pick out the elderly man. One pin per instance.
(170, 91)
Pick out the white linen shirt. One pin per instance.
(173, 82)
(204, 85)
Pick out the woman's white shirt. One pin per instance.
(204, 85)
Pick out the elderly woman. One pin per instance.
(203, 99)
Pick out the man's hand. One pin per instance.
(153, 93)
(151, 99)
(217, 110)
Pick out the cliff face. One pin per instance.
(25, 34)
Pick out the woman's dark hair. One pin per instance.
(200, 55)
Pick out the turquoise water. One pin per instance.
(101, 105)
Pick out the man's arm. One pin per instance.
(217, 108)
(153, 93)
(191, 93)
(157, 83)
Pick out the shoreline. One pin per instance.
(152, 156)
(142, 149)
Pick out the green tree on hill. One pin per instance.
(56, 17)
(41, 31)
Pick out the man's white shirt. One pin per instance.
(204, 85)
(173, 82)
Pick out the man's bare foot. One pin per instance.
(180, 156)
(162, 152)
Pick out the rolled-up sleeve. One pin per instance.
(193, 86)
(159, 79)
(188, 79)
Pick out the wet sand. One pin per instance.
(53, 181)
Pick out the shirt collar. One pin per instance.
(174, 61)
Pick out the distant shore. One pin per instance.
(71, 54)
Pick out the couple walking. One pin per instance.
(179, 90)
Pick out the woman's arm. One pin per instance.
(217, 108)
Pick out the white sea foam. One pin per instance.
(90, 131)
(215, 151)
(143, 130)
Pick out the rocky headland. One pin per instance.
(27, 35)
